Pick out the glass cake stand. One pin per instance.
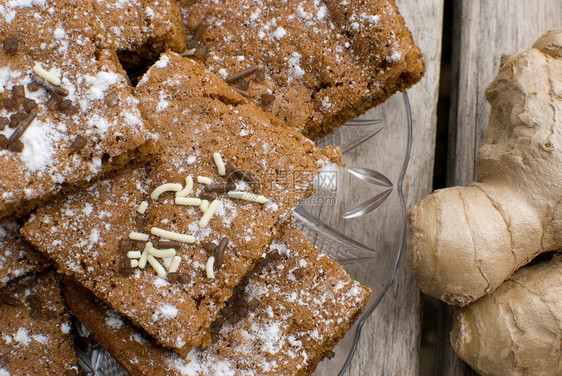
(356, 216)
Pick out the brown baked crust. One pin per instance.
(325, 62)
(51, 160)
(195, 114)
(275, 323)
(35, 328)
(17, 258)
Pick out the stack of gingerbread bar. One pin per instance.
(165, 207)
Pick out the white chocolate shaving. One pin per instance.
(188, 201)
(144, 256)
(187, 189)
(142, 207)
(51, 77)
(134, 254)
(134, 263)
(175, 264)
(172, 235)
(210, 266)
(189, 52)
(166, 187)
(157, 266)
(204, 180)
(133, 235)
(204, 205)
(220, 163)
(248, 196)
(206, 217)
(162, 253)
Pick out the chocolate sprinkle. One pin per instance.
(254, 304)
(53, 89)
(244, 84)
(243, 73)
(11, 46)
(125, 267)
(179, 278)
(220, 187)
(79, 142)
(166, 244)
(112, 99)
(260, 74)
(53, 102)
(125, 245)
(23, 126)
(219, 253)
(229, 168)
(243, 93)
(197, 35)
(207, 196)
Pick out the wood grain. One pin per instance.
(483, 31)
(390, 341)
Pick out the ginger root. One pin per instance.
(517, 330)
(465, 241)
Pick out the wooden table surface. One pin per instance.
(483, 31)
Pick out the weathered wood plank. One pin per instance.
(483, 31)
(390, 341)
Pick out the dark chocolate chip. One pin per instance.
(33, 302)
(11, 46)
(260, 74)
(210, 247)
(3, 142)
(15, 146)
(33, 86)
(29, 104)
(16, 119)
(112, 99)
(298, 273)
(53, 102)
(125, 267)
(3, 122)
(329, 354)
(244, 84)
(266, 99)
(79, 142)
(10, 104)
(64, 105)
(201, 51)
(182, 278)
(18, 93)
(253, 304)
